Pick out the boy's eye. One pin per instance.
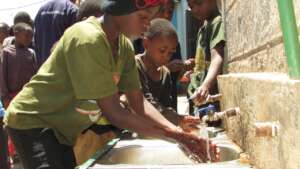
(162, 50)
(143, 17)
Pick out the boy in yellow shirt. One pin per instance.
(94, 60)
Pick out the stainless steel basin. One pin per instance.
(158, 152)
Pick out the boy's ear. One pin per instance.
(145, 42)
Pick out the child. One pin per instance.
(92, 62)
(160, 43)
(210, 49)
(4, 33)
(20, 17)
(18, 63)
(175, 65)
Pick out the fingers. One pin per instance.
(191, 119)
(214, 152)
(202, 94)
(189, 123)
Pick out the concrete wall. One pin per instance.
(254, 36)
(264, 97)
(257, 82)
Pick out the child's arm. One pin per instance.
(137, 122)
(35, 67)
(154, 125)
(215, 68)
(142, 107)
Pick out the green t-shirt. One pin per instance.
(209, 36)
(81, 67)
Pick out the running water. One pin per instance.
(203, 133)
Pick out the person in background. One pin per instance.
(89, 8)
(52, 19)
(175, 65)
(20, 17)
(91, 64)
(165, 12)
(160, 43)
(18, 63)
(23, 17)
(210, 50)
(4, 160)
(4, 33)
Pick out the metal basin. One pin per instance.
(157, 152)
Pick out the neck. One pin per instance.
(18, 45)
(213, 15)
(110, 28)
(148, 63)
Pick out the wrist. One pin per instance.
(206, 84)
(174, 133)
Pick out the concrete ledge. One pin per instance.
(264, 97)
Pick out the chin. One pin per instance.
(133, 37)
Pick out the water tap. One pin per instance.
(209, 99)
(266, 129)
(215, 116)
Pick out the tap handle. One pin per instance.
(232, 112)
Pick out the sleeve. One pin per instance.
(88, 68)
(129, 79)
(35, 67)
(217, 33)
(3, 75)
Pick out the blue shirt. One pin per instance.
(1, 110)
(51, 21)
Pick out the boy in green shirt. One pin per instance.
(92, 61)
(210, 49)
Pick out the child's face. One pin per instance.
(202, 9)
(24, 38)
(136, 23)
(160, 49)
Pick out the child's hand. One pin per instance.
(196, 147)
(202, 93)
(189, 123)
(189, 64)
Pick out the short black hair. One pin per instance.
(23, 17)
(89, 8)
(19, 27)
(163, 8)
(4, 28)
(160, 27)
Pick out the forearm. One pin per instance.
(122, 118)
(142, 107)
(214, 69)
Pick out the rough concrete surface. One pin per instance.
(253, 34)
(264, 97)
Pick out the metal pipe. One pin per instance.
(290, 36)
